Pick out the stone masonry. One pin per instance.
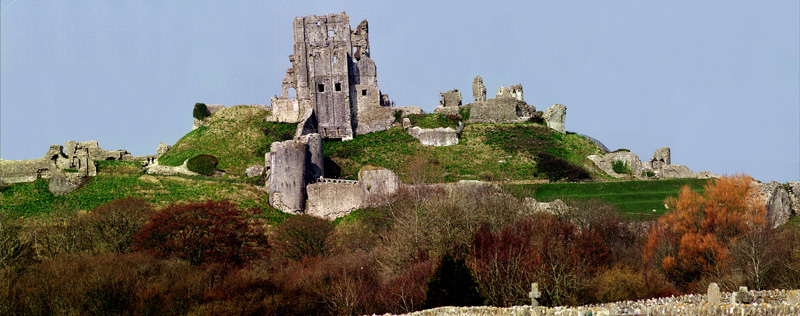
(332, 73)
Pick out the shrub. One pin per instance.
(13, 248)
(537, 118)
(200, 112)
(398, 116)
(464, 112)
(210, 232)
(303, 236)
(203, 164)
(648, 174)
(452, 284)
(113, 225)
(621, 166)
(107, 284)
(556, 168)
(621, 150)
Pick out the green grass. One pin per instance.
(489, 152)
(637, 198)
(238, 136)
(118, 179)
(433, 120)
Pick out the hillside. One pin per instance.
(119, 179)
(488, 152)
(238, 136)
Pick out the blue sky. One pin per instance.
(717, 81)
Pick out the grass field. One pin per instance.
(118, 179)
(636, 198)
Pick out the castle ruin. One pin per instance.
(332, 74)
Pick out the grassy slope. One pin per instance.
(502, 152)
(637, 198)
(236, 136)
(117, 179)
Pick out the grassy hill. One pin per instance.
(238, 136)
(489, 152)
(636, 198)
(118, 179)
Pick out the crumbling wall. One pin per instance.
(332, 198)
(288, 174)
(450, 98)
(498, 110)
(555, 116)
(440, 136)
(377, 184)
(514, 92)
(478, 89)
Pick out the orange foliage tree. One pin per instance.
(694, 238)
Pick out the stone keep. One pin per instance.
(333, 74)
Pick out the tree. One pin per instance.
(210, 232)
(452, 284)
(113, 225)
(694, 239)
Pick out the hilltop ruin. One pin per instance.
(332, 73)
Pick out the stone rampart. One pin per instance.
(288, 175)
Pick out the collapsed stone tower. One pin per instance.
(333, 74)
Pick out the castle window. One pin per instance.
(364, 92)
(334, 59)
(330, 34)
(321, 87)
(338, 86)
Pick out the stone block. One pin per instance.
(376, 184)
(713, 296)
(450, 98)
(555, 116)
(440, 136)
(331, 200)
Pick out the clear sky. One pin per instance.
(717, 81)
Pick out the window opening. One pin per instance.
(364, 92)
(331, 34)
(338, 86)
(321, 87)
(334, 59)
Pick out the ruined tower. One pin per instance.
(331, 73)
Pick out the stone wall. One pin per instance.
(66, 165)
(332, 198)
(288, 175)
(767, 303)
(376, 185)
(440, 136)
(500, 110)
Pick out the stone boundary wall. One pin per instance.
(767, 303)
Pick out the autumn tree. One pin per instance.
(695, 237)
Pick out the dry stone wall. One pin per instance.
(766, 303)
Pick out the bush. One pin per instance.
(398, 116)
(203, 164)
(210, 232)
(107, 284)
(464, 113)
(621, 166)
(648, 174)
(200, 112)
(112, 226)
(556, 168)
(452, 284)
(303, 236)
(622, 150)
(537, 118)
